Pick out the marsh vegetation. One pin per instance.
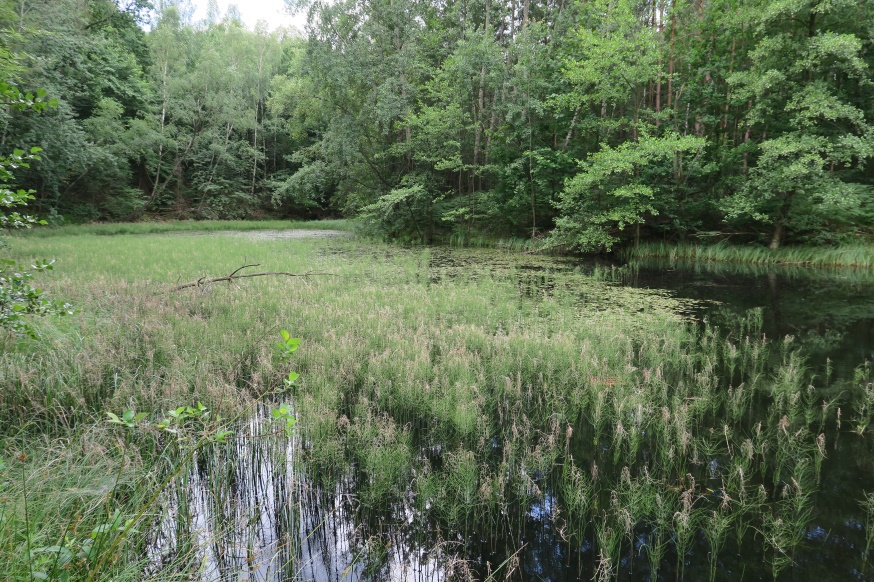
(461, 414)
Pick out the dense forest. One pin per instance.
(588, 122)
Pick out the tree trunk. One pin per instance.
(779, 233)
(671, 59)
(777, 237)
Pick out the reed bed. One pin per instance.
(859, 256)
(513, 244)
(459, 415)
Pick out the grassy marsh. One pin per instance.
(460, 412)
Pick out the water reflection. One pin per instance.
(247, 512)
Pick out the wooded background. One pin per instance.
(593, 122)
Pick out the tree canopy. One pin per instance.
(592, 123)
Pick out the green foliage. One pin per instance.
(617, 188)
(284, 415)
(128, 418)
(285, 349)
(9, 198)
(287, 346)
(456, 121)
(801, 86)
(611, 56)
(407, 212)
(18, 298)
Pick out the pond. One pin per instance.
(722, 433)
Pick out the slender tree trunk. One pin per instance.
(728, 92)
(671, 58)
(567, 138)
(164, 97)
(746, 164)
(408, 129)
(479, 112)
(658, 84)
(257, 108)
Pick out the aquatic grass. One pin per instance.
(609, 539)
(658, 519)
(577, 494)
(716, 527)
(853, 256)
(784, 529)
(511, 244)
(685, 524)
(864, 398)
(867, 505)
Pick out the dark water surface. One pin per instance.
(831, 315)
(282, 524)
(830, 312)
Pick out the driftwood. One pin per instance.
(237, 275)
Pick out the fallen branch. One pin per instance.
(233, 276)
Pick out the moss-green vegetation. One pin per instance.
(444, 396)
(855, 256)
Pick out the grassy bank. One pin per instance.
(855, 256)
(448, 402)
(181, 226)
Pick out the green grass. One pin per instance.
(533, 381)
(513, 244)
(179, 226)
(855, 256)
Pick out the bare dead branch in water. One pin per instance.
(234, 275)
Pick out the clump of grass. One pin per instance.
(785, 528)
(864, 391)
(868, 507)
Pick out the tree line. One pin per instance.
(591, 123)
